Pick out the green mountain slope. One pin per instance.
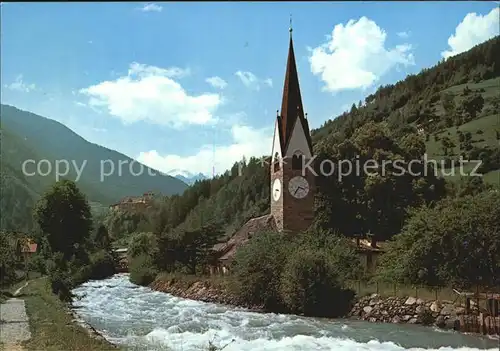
(441, 101)
(27, 136)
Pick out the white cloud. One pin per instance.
(20, 85)
(251, 81)
(356, 56)
(217, 82)
(151, 94)
(404, 35)
(247, 142)
(99, 130)
(151, 7)
(473, 30)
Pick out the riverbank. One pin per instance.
(373, 308)
(207, 289)
(53, 326)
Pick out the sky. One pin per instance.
(196, 86)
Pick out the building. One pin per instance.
(134, 203)
(26, 247)
(292, 184)
(369, 251)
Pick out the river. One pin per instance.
(142, 319)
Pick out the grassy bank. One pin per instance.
(51, 325)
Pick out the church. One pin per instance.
(291, 189)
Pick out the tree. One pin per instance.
(455, 243)
(448, 102)
(472, 104)
(447, 144)
(257, 268)
(309, 283)
(101, 238)
(63, 215)
(195, 246)
(375, 199)
(7, 259)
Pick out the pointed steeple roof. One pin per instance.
(291, 105)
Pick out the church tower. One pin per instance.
(292, 183)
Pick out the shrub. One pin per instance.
(309, 285)
(257, 269)
(37, 264)
(61, 284)
(456, 243)
(142, 270)
(102, 265)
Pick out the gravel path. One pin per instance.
(14, 323)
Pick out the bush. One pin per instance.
(257, 270)
(37, 264)
(61, 285)
(102, 265)
(82, 274)
(142, 270)
(455, 243)
(309, 285)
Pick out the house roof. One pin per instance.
(28, 246)
(253, 226)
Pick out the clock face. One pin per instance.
(298, 187)
(276, 189)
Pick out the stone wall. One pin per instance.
(443, 314)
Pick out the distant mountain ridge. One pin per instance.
(27, 136)
(186, 176)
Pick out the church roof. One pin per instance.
(291, 105)
(253, 226)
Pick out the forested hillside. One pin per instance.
(26, 136)
(446, 101)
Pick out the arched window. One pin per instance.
(297, 160)
(276, 162)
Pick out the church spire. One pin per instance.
(291, 105)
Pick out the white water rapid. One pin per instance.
(141, 319)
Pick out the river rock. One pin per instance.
(367, 309)
(447, 310)
(411, 301)
(435, 306)
(440, 322)
(396, 320)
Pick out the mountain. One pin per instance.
(186, 176)
(27, 136)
